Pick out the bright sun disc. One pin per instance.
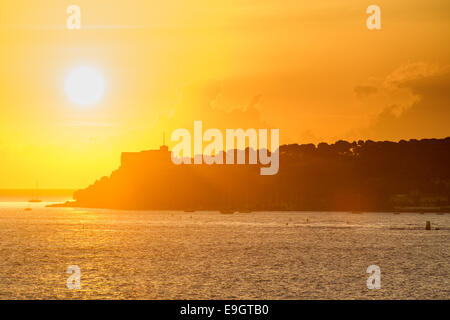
(85, 86)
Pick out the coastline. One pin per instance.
(421, 210)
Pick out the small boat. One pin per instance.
(27, 209)
(34, 200)
(226, 211)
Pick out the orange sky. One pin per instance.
(310, 68)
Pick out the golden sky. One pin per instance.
(310, 68)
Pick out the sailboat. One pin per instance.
(35, 198)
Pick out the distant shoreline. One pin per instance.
(45, 195)
(445, 209)
(42, 192)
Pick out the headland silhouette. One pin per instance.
(355, 176)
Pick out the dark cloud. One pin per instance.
(428, 117)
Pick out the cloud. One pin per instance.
(204, 101)
(411, 72)
(425, 114)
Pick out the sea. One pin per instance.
(208, 255)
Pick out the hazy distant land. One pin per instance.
(46, 195)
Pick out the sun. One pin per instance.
(85, 86)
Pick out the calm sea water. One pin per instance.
(207, 255)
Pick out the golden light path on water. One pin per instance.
(206, 255)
